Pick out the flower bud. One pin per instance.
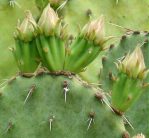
(48, 21)
(26, 31)
(94, 31)
(133, 64)
(139, 136)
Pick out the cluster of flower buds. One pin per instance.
(47, 25)
(49, 34)
(133, 64)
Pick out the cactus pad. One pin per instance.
(31, 117)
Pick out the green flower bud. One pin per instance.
(94, 31)
(26, 31)
(48, 21)
(133, 64)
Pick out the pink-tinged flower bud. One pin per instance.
(48, 21)
(133, 64)
(94, 31)
(27, 30)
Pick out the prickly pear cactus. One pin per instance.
(54, 102)
(49, 99)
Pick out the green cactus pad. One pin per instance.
(138, 116)
(70, 119)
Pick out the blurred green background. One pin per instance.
(132, 14)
